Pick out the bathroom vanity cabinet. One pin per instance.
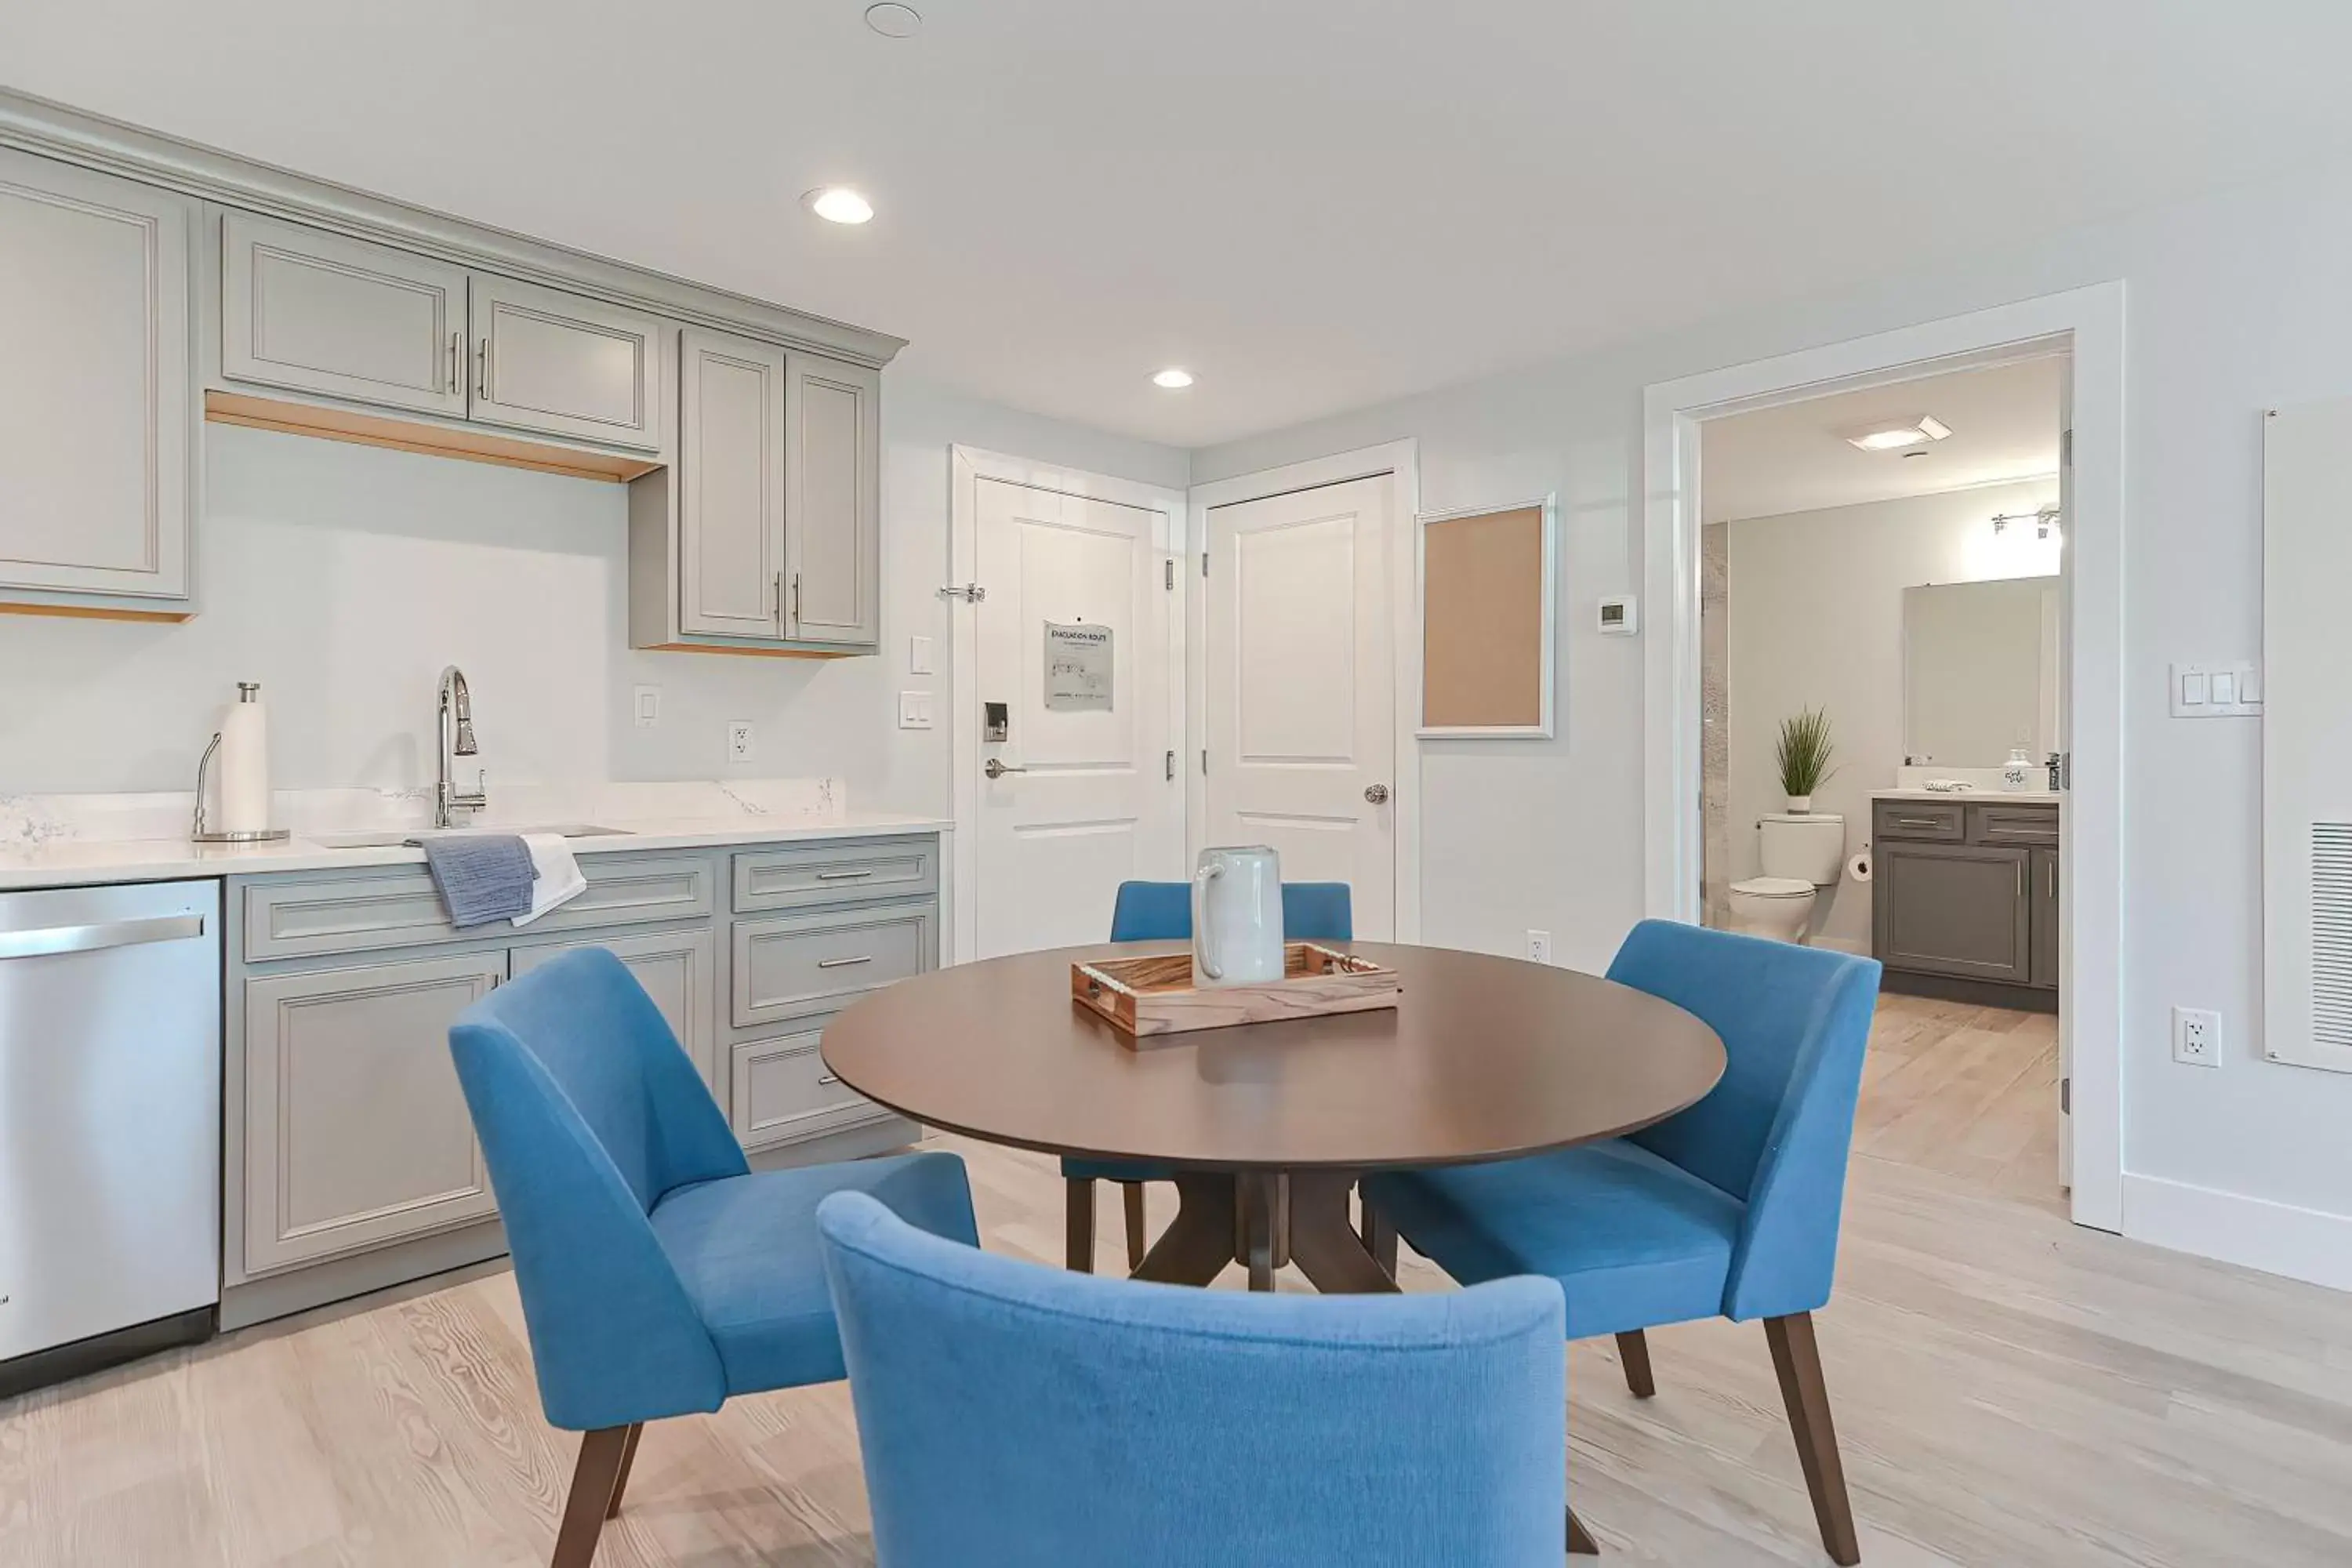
(1964, 902)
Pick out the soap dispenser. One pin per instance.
(2015, 771)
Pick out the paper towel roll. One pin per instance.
(245, 763)
(1857, 867)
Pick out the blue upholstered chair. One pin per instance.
(1013, 1416)
(658, 1276)
(1162, 911)
(1728, 1209)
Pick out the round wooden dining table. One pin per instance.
(1266, 1126)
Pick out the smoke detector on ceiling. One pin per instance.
(1893, 434)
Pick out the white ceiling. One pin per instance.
(1312, 206)
(1795, 457)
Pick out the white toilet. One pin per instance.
(1804, 852)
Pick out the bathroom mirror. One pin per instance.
(1980, 671)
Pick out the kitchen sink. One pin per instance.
(389, 839)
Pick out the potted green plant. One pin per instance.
(1803, 754)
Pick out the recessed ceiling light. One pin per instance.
(839, 203)
(1173, 379)
(894, 21)
(1892, 435)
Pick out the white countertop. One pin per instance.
(1986, 797)
(82, 862)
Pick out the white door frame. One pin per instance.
(967, 466)
(2088, 325)
(1400, 461)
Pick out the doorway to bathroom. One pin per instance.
(1883, 659)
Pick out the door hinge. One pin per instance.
(1204, 563)
(1171, 763)
(2067, 452)
(1204, 762)
(2066, 1097)
(1168, 573)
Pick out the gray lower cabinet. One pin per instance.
(794, 967)
(782, 1091)
(356, 1132)
(319, 313)
(1968, 892)
(2043, 869)
(96, 399)
(562, 366)
(678, 971)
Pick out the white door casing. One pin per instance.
(1299, 708)
(1090, 797)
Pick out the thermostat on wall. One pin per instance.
(1620, 618)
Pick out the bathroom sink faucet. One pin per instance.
(455, 726)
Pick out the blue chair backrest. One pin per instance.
(588, 1112)
(1162, 911)
(1013, 1414)
(1775, 1132)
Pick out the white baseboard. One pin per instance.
(2278, 1238)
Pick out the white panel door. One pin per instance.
(1301, 704)
(1085, 799)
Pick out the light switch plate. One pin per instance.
(914, 709)
(644, 704)
(2216, 690)
(918, 655)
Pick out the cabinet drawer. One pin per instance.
(2012, 825)
(806, 874)
(1929, 820)
(400, 907)
(798, 965)
(782, 1089)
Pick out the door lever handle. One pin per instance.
(997, 770)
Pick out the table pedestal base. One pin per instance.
(1263, 1220)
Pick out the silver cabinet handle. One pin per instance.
(844, 962)
(997, 770)
(2050, 880)
(796, 601)
(1918, 821)
(842, 876)
(482, 369)
(828, 1078)
(52, 939)
(455, 385)
(2020, 879)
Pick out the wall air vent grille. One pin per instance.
(2331, 932)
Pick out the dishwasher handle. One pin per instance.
(48, 941)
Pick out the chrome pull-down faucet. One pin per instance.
(454, 725)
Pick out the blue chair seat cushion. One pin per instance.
(1634, 1240)
(1117, 1171)
(748, 1253)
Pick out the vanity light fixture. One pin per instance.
(1173, 378)
(839, 203)
(1893, 434)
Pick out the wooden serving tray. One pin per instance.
(1148, 996)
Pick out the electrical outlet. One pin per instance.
(2197, 1037)
(739, 745)
(1539, 947)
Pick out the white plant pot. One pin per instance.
(1799, 804)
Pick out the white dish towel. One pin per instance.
(557, 879)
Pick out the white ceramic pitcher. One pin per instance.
(1237, 917)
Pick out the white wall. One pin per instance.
(2235, 304)
(343, 577)
(1815, 620)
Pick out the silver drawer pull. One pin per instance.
(844, 962)
(828, 1078)
(842, 876)
(52, 939)
(1918, 821)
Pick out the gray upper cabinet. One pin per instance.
(731, 484)
(562, 366)
(356, 1132)
(315, 311)
(832, 541)
(95, 402)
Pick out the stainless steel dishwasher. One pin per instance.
(110, 1124)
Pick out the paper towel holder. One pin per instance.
(201, 833)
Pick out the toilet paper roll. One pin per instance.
(1857, 867)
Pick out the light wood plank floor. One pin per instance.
(2010, 1391)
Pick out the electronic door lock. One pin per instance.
(995, 721)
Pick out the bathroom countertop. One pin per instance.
(1988, 796)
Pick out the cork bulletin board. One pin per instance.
(1487, 620)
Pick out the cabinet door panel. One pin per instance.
(678, 971)
(832, 524)
(94, 401)
(1953, 909)
(2045, 870)
(732, 478)
(319, 312)
(564, 365)
(356, 1132)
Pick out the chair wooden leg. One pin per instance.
(1131, 1196)
(601, 1453)
(1080, 1225)
(628, 1459)
(1633, 1350)
(1797, 1359)
(1380, 1238)
(1579, 1540)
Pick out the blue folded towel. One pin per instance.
(482, 877)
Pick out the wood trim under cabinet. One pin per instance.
(105, 612)
(753, 652)
(431, 441)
